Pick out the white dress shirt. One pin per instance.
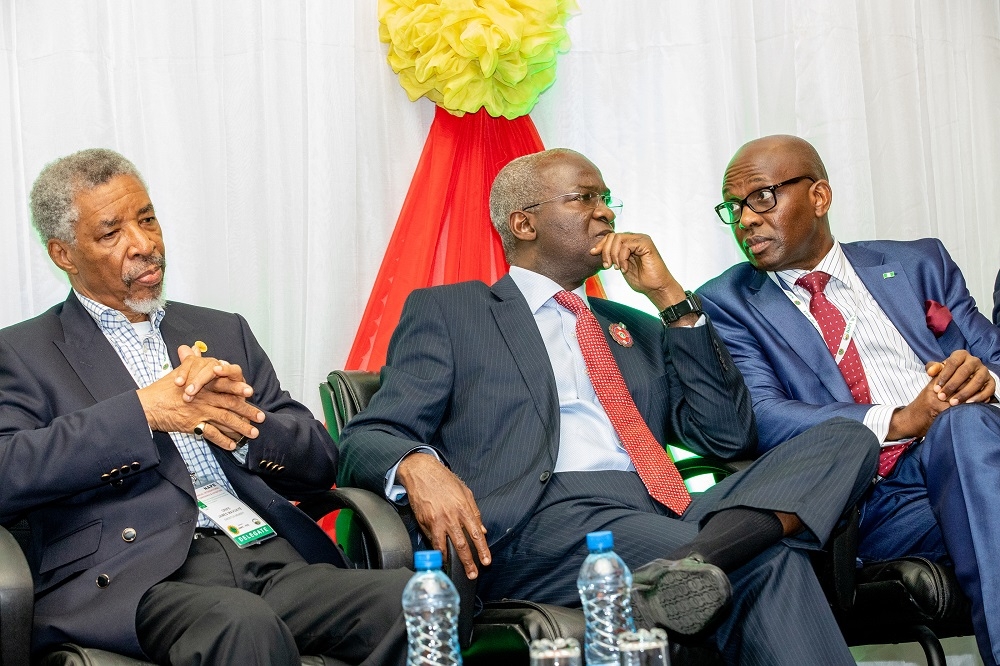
(895, 373)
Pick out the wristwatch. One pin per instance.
(691, 304)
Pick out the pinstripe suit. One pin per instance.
(996, 301)
(468, 374)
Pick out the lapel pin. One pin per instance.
(890, 274)
(620, 334)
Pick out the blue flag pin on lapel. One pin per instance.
(890, 274)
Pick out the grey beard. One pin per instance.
(146, 306)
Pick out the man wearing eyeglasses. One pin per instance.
(882, 332)
(519, 417)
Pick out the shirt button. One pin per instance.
(545, 476)
(103, 581)
(128, 535)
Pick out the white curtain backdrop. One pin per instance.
(278, 145)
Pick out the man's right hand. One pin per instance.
(169, 409)
(444, 508)
(916, 418)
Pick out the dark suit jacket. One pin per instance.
(69, 413)
(791, 374)
(468, 373)
(996, 301)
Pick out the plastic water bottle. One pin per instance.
(430, 605)
(604, 584)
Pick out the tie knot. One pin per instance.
(814, 282)
(570, 301)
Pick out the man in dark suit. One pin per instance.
(114, 426)
(881, 332)
(996, 301)
(489, 421)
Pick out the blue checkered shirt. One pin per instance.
(147, 360)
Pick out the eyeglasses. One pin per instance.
(587, 200)
(759, 201)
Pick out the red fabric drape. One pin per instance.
(444, 234)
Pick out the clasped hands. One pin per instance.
(960, 378)
(202, 391)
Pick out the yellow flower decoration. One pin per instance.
(468, 54)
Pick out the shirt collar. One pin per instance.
(110, 320)
(834, 263)
(538, 289)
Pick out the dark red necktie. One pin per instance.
(651, 461)
(832, 325)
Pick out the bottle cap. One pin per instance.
(427, 559)
(600, 541)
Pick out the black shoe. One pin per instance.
(682, 596)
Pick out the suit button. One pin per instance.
(263, 463)
(114, 473)
(124, 469)
(279, 468)
(118, 483)
(128, 534)
(105, 477)
(135, 466)
(103, 581)
(545, 476)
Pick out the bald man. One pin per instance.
(881, 332)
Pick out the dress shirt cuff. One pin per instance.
(877, 420)
(397, 493)
(240, 452)
(996, 382)
(701, 322)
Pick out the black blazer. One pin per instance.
(69, 413)
(467, 373)
(996, 301)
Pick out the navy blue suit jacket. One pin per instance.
(996, 301)
(69, 413)
(791, 374)
(467, 373)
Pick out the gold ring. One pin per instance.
(199, 429)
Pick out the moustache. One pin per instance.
(156, 260)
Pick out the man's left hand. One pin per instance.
(641, 265)
(962, 378)
(200, 372)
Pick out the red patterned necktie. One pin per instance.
(832, 325)
(651, 461)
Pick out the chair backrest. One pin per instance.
(347, 392)
(16, 595)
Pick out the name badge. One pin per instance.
(232, 516)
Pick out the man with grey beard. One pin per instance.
(153, 452)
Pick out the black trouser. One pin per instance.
(264, 605)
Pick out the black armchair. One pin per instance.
(501, 631)
(899, 601)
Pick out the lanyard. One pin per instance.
(845, 340)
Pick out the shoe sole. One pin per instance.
(691, 597)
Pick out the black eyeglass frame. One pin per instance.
(611, 202)
(734, 206)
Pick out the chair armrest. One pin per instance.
(689, 467)
(385, 541)
(16, 602)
